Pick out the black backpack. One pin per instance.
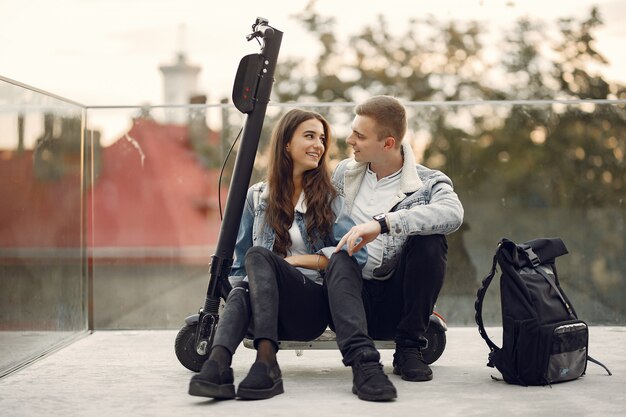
(543, 340)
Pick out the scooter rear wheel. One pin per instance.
(436, 344)
(185, 347)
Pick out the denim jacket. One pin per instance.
(425, 204)
(253, 231)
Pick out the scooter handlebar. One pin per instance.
(261, 29)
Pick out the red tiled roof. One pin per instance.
(151, 192)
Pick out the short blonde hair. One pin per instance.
(389, 115)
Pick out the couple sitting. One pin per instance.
(364, 252)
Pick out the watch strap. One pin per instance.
(382, 220)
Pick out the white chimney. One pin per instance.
(180, 83)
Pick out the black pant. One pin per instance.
(279, 303)
(394, 309)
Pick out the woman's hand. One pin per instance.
(314, 261)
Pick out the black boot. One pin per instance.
(213, 382)
(369, 381)
(263, 381)
(408, 362)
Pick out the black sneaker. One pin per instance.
(408, 362)
(212, 383)
(262, 382)
(369, 381)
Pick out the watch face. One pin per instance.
(379, 217)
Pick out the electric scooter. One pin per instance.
(251, 92)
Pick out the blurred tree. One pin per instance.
(575, 56)
(435, 61)
(568, 156)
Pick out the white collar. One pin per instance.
(388, 177)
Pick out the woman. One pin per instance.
(289, 228)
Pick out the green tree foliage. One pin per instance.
(573, 147)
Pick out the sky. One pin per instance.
(107, 52)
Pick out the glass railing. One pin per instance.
(132, 250)
(522, 170)
(42, 258)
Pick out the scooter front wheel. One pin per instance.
(185, 347)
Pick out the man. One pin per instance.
(403, 211)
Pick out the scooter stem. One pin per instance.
(222, 260)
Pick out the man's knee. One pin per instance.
(425, 259)
(429, 246)
(342, 265)
(340, 258)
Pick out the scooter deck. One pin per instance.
(326, 341)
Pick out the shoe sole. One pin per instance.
(260, 394)
(208, 389)
(418, 378)
(387, 396)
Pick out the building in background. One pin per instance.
(180, 83)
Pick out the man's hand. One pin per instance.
(359, 236)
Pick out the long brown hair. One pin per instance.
(318, 189)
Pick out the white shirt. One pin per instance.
(373, 198)
(297, 243)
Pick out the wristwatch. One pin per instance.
(382, 220)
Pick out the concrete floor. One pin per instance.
(136, 373)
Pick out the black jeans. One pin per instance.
(394, 309)
(279, 302)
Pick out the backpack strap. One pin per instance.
(597, 362)
(480, 296)
(550, 281)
